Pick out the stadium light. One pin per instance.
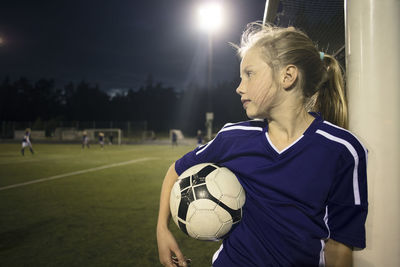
(210, 20)
(210, 17)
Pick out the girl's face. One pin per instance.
(258, 90)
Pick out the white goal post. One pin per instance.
(93, 134)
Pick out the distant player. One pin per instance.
(199, 138)
(85, 140)
(110, 139)
(101, 140)
(26, 142)
(174, 137)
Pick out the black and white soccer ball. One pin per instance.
(206, 201)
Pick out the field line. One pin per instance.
(75, 173)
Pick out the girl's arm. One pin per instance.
(167, 245)
(338, 254)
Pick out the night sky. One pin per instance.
(117, 44)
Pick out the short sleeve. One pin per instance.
(209, 152)
(347, 203)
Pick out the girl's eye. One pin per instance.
(249, 73)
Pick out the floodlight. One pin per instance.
(210, 16)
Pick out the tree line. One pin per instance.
(162, 107)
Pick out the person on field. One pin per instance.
(101, 140)
(174, 138)
(85, 140)
(26, 142)
(199, 137)
(303, 172)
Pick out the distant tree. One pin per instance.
(20, 106)
(161, 107)
(7, 97)
(44, 100)
(66, 100)
(87, 103)
(120, 107)
(193, 105)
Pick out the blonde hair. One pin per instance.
(321, 81)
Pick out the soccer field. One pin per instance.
(64, 206)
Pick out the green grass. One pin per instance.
(101, 218)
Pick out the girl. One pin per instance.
(26, 142)
(303, 173)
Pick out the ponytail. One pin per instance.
(331, 97)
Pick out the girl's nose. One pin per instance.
(240, 89)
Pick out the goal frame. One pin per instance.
(91, 132)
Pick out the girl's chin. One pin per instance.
(251, 112)
(253, 115)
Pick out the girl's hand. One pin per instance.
(168, 248)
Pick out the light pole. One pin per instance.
(210, 20)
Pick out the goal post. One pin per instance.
(109, 134)
(271, 7)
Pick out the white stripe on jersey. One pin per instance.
(234, 123)
(247, 128)
(353, 152)
(216, 254)
(365, 149)
(205, 146)
(326, 222)
(322, 255)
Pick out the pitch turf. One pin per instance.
(102, 212)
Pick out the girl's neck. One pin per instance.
(288, 124)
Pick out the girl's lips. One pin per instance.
(245, 102)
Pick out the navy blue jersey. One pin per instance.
(296, 198)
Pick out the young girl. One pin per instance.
(26, 142)
(101, 140)
(85, 140)
(303, 173)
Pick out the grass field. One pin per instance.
(98, 207)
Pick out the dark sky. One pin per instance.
(117, 44)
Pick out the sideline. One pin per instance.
(75, 173)
(37, 157)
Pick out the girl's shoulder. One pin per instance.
(249, 125)
(341, 138)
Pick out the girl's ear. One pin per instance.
(289, 76)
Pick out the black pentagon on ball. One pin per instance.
(184, 183)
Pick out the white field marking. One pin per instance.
(24, 160)
(52, 157)
(75, 173)
(17, 162)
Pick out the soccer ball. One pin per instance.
(206, 201)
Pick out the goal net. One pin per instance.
(322, 21)
(111, 136)
(178, 133)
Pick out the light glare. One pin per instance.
(210, 17)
